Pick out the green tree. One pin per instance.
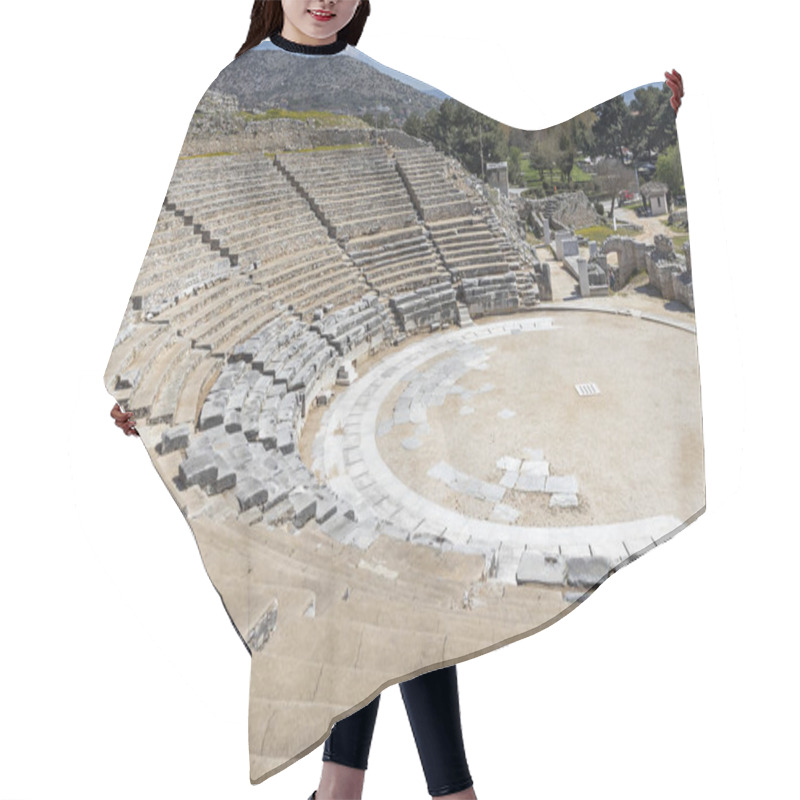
(414, 125)
(515, 167)
(539, 160)
(566, 156)
(611, 129)
(652, 121)
(669, 169)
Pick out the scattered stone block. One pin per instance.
(561, 484)
(226, 477)
(285, 441)
(509, 480)
(211, 415)
(531, 467)
(504, 513)
(199, 470)
(563, 500)
(537, 567)
(509, 464)
(587, 570)
(326, 508)
(530, 483)
(491, 492)
(304, 505)
(233, 420)
(175, 438)
(259, 634)
(251, 492)
(506, 413)
(411, 443)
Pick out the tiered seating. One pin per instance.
(355, 191)
(424, 171)
(243, 205)
(165, 364)
(246, 207)
(493, 294)
(471, 241)
(359, 196)
(247, 428)
(347, 328)
(232, 374)
(177, 264)
(470, 248)
(430, 306)
(397, 261)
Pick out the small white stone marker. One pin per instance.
(508, 463)
(535, 468)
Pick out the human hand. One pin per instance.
(675, 82)
(124, 420)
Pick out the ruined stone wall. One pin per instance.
(568, 210)
(631, 257)
(668, 272)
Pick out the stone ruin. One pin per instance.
(592, 274)
(670, 272)
(631, 258)
(560, 212)
(497, 176)
(679, 219)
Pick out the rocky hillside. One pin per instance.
(275, 79)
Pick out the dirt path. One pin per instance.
(650, 225)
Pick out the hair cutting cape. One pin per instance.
(419, 381)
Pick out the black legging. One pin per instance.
(433, 711)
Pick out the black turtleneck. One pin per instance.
(308, 49)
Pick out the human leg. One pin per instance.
(346, 754)
(434, 713)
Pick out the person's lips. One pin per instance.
(321, 15)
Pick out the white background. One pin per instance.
(120, 675)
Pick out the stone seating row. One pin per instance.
(469, 249)
(245, 220)
(397, 261)
(424, 171)
(492, 294)
(176, 265)
(307, 279)
(154, 366)
(355, 193)
(430, 306)
(347, 328)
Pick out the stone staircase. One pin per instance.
(464, 319)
